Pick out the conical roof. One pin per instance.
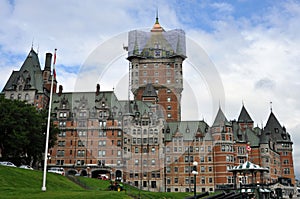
(274, 130)
(220, 119)
(30, 72)
(244, 116)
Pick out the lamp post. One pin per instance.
(195, 172)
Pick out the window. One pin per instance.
(62, 143)
(81, 153)
(169, 99)
(187, 169)
(153, 161)
(26, 97)
(209, 148)
(168, 159)
(202, 180)
(202, 168)
(169, 107)
(176, 169)
(202, 159)
(60, 153)
(176, 180)
(62, 124)
(168, 169)
(169, 181)
(153, 184)
(187, 180)
(62, 134)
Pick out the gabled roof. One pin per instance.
(149, 91)
(244, 116)
(220, 119)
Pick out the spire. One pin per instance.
(156, 16)
(156, 27)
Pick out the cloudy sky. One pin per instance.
(250, 47)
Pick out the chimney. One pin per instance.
(60, 89)
(48, 62)
(98, 89)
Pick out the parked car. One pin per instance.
(7, 164)
(26, 167)
(58, 170)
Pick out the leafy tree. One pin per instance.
(23, 132)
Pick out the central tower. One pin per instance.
(156, 59)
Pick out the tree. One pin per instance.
(22, 132)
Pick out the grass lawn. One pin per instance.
(21, 183)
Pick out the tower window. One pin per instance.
(169, 99)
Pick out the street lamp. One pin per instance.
(195, 172)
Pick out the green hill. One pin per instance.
(19, 183)
(22, 183)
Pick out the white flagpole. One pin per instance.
(48, 129)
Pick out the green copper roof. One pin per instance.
(30, 73)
